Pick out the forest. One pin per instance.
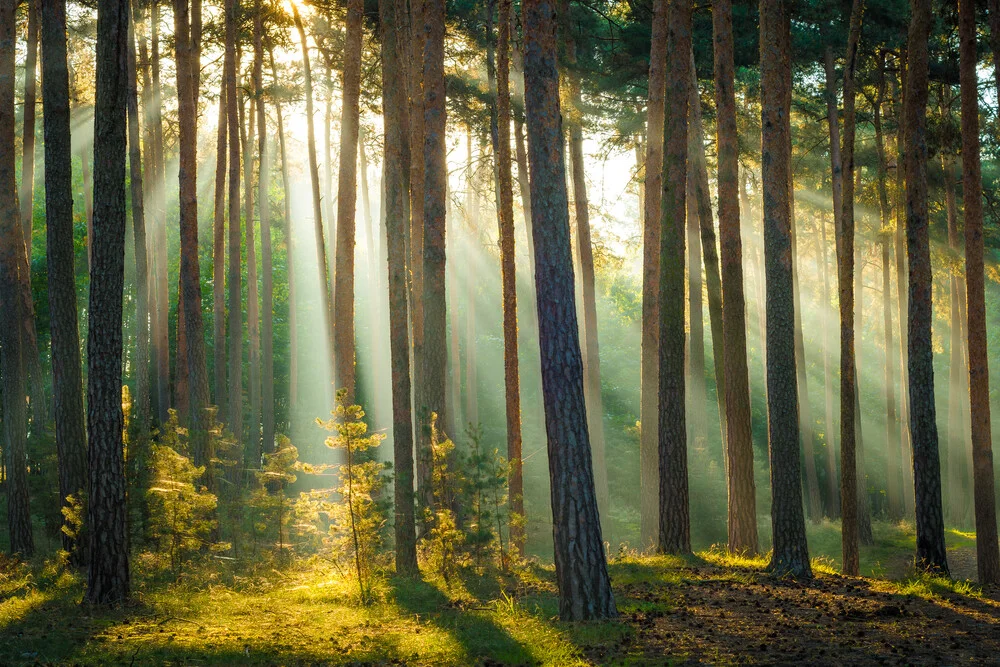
(496, 332)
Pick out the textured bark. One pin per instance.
(581, 207)
(845, 275)
(709, 251)
(190, 274)
(415, 232)
(161, 337)
(923, 426)
(264, 187)
(581, 570)
(742, 507)
(321, 255)
(790, 555)
(347, 188)
(108, 575)
(67, 383)
(649, 473)
(987, 551)
(253, 442)
(234, 331)
(140, 419)
(13, 264)
(435, 326)
(27, 190)
(396, 172)
(894, 501)
(219, 262)
(675, 519)
(505, 210)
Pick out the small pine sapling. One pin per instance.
(269, 500)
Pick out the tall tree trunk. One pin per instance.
(67, 384)
(27, 190)
(253, 449)
(293, 329)
(790, 554)
(591, 357)
(347, 188)
(931, 553)
(648, 415)
(235, 326)
(435, 325)
(954, 500)
(742, 505)
(108, 575)
(161, 336)
(696, 397)
(709, 250)
(894, 502)
(140, 419)
(321, 255)
(264, 188)
(581, 570)
(987, 551)
(13, 265)
(190, 274)
(396, 176)
(675, 519)
(219, 261)
(415, 233)
(845, 275)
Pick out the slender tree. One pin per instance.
(581, 569)
(347, 188)
(108, 575)
(67, 383)
(931, 553)
(742, 494)
(648, 414)
(675, 519)
(987, 550)
(27, 190)
(396, 176)
(234, 331)
(219, 260)
(790, 554)
(267, 260)
(13, 264)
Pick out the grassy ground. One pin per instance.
(709, 608)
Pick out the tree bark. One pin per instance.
(267, 260)
(27, 190)
(790, 555)
(845, 275)
(162, 336)
(931, 553)
(742, 495)
(108, 575)
(581, 570)
(675, 520)
(13, 264)
(234, 331)
(254, 447)
(219, 261)
(396, 173)
(648, 416)
(987, 551)
(67, 383)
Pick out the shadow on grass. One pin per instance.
(470, 625)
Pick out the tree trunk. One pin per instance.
(415, 237)
(108, 575)
(219, 261)
(67, 383)
(27, 190)
(648, 415)
(396, 173)
(954, 500)
(435, 325)
(13, 265)
(581, 570)
(829, 431)
(347, 188)
(190, 274)
(696, 397)
(790, 554)
(987, 551)
(675, 520)
(158, 187)
(742, 506)
(235, 325)
(931, 553)
(254, 448)
(845, 275)
(264, 188)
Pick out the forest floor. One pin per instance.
(709, 608)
